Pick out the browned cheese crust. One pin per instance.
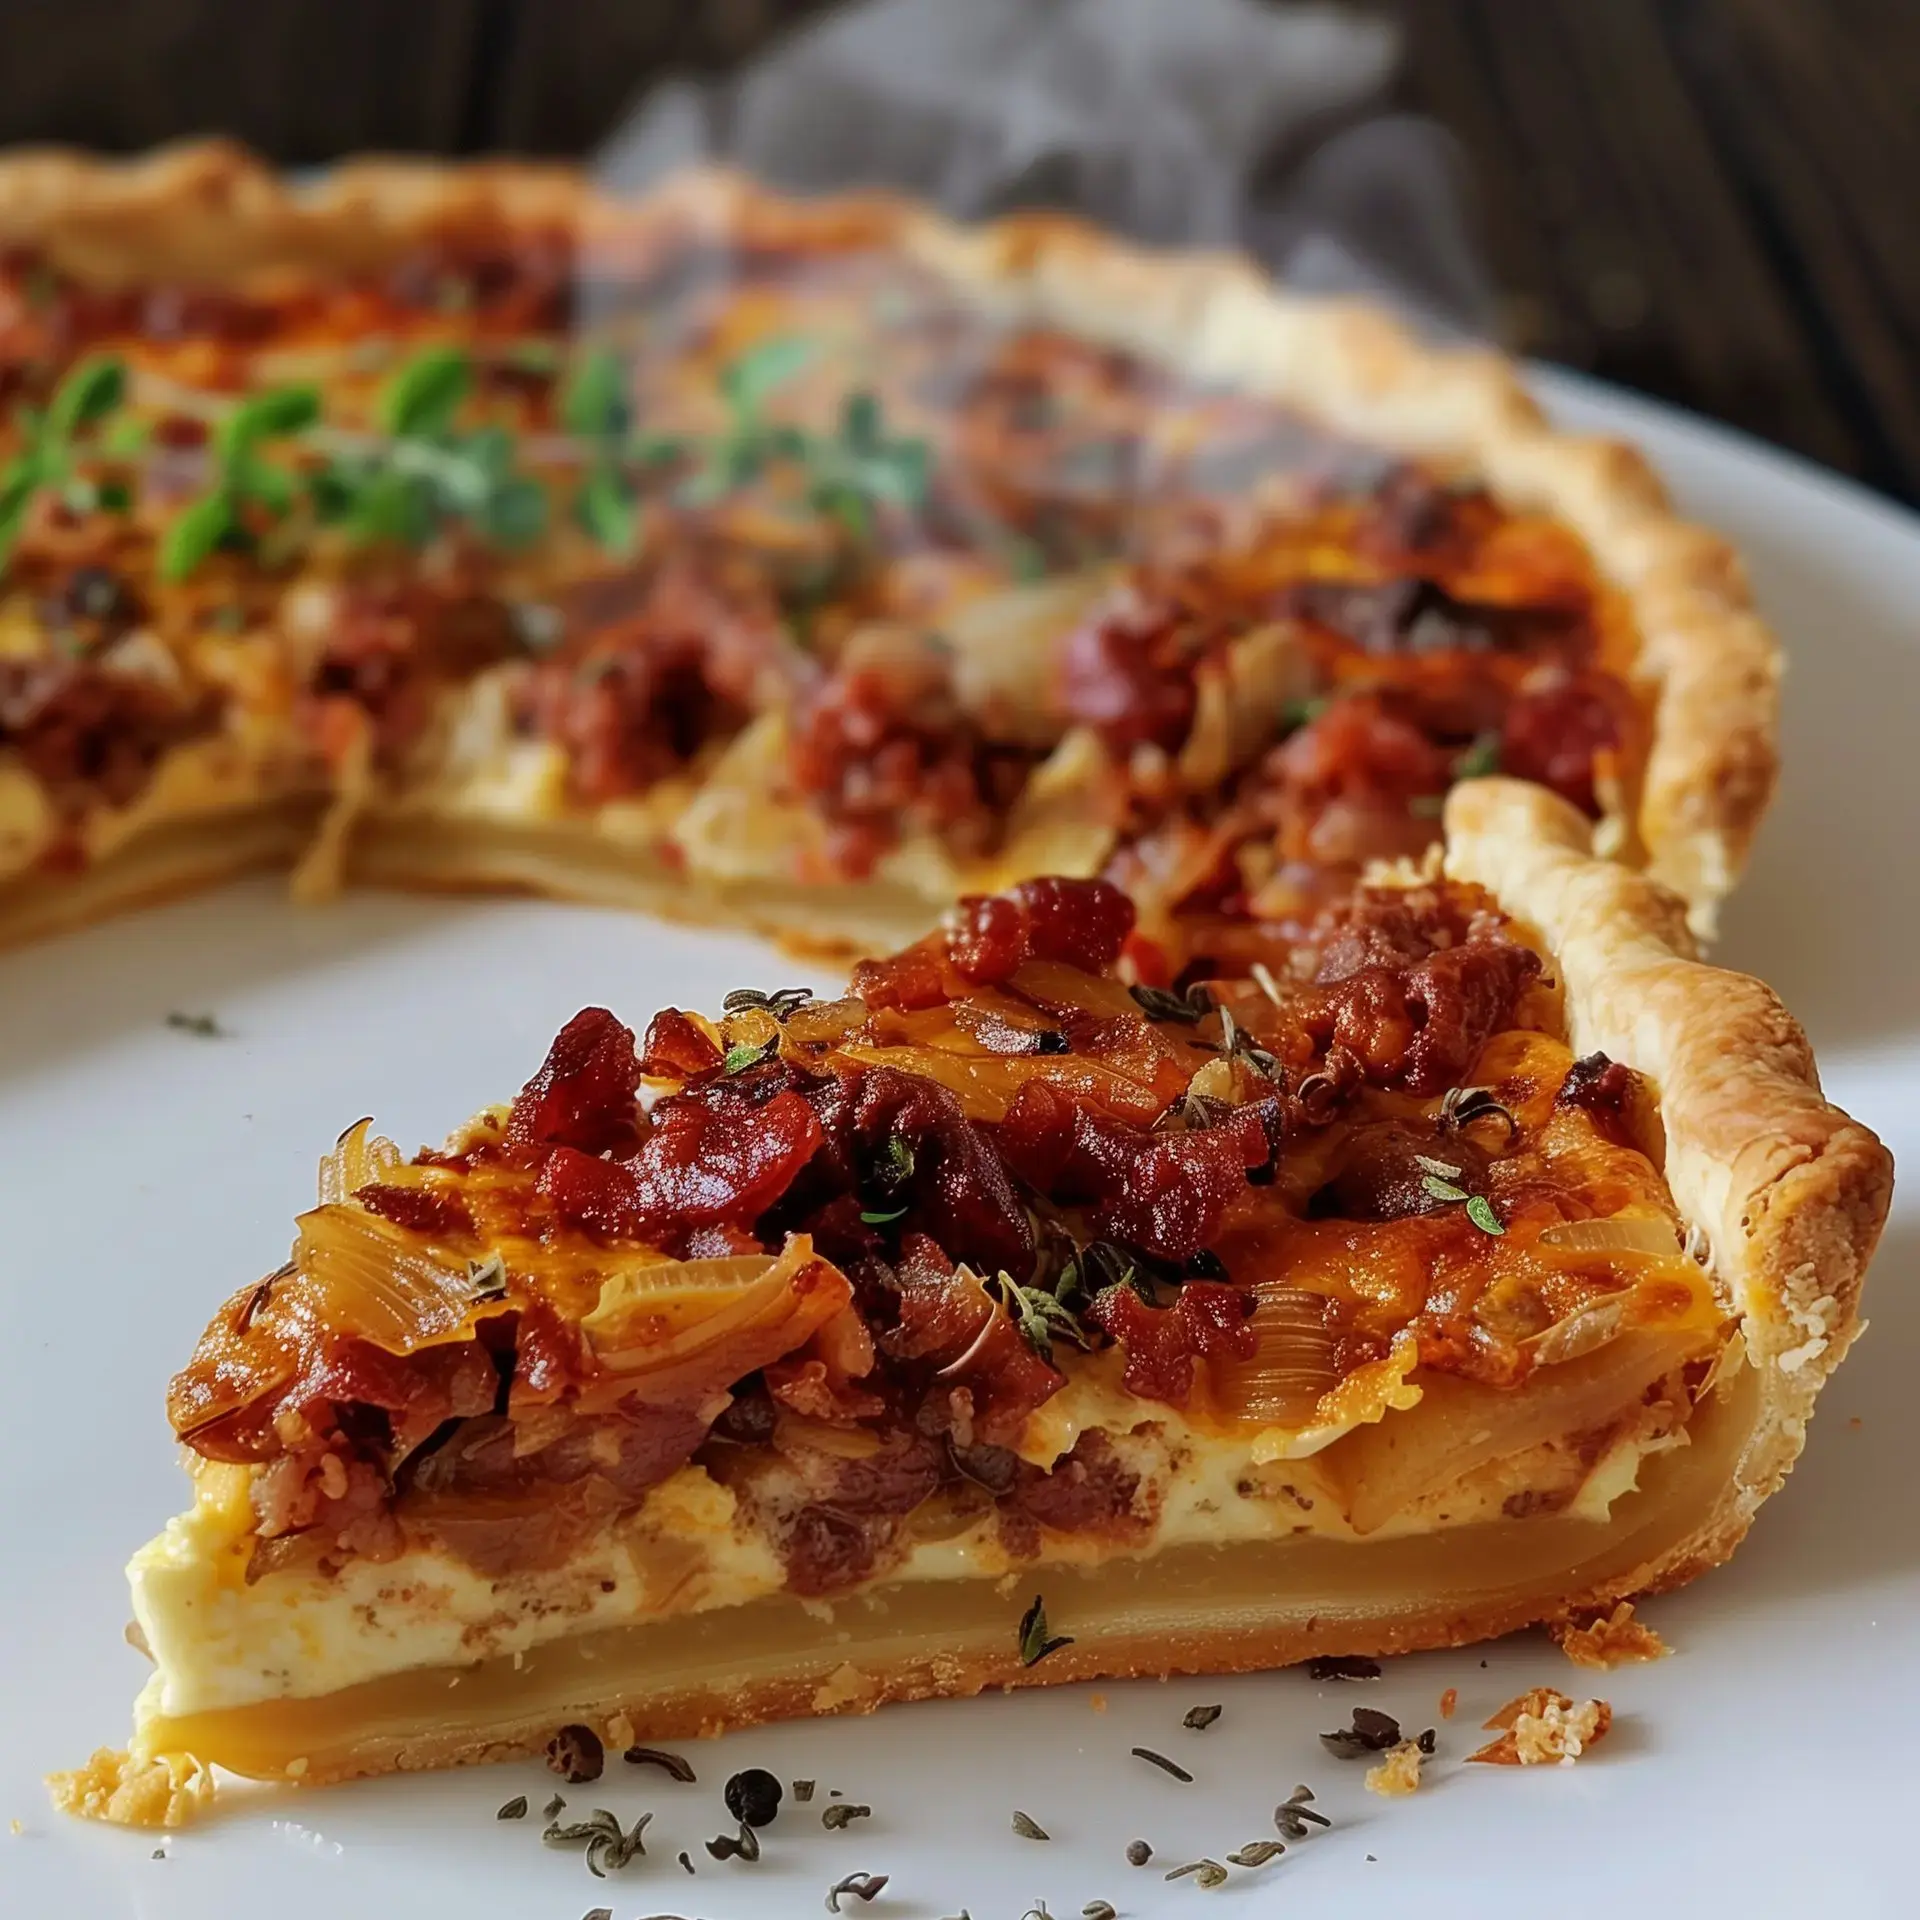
(210, 211)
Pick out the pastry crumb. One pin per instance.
(620, 1731)
(1611, 1640)
(845, 1686)
(1449, 1703)
(1097, 1701)
(1543, 1727)
(1398, 1773)
(166, 1791)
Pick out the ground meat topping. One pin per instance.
(90, 732)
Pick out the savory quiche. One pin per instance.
(1469, 1255)
(808, 565)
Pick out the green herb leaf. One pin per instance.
(1480, 759)
(1480, 1212)
(606, 509)
(1442, 1189)
(739, 1058)
(748, 381)
(593, 404)
(515, 515)
(875, 1219)
(87, 394)
(424, 395)
(195, 534)
(1035, 1642)
(267, 416)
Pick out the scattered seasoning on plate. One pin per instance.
(1099, 1910)
(1138, 1853)
(863, 1886)
(726, 1846)
(576, 1755)
(1342, 1666)
(1256, 1853)
(609, 1846)
(602, 1913)
(1295, 1817)
(1201, 1718)
(203, 1026)
(844, 1814)
(1028, 1828)
(1207, 1873)
(1371, 1732)
(515, 1809)
(802, 1792)
(553, 1809)
(669, 1763)
(753, 1797)
(686, 1861)
(1165, 1765)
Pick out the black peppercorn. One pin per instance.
(1051, 1041)
(576, 1755)
(754, 1797)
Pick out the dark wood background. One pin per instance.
(1712, 200)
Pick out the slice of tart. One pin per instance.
(803, 565)
(1474, 1255)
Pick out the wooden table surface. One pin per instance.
(1711, 200)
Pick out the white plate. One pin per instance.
(1766, 1768)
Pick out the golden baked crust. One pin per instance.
(211, 212)
(1789, 1194)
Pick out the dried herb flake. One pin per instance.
(863, 1886)
(1165, 1765)
(1201, 1718)
(669, 1763)
(1035, 1642)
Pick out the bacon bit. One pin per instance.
(713, 1158)
(1596, 1085)
(1417, 1028)
(1398, 1774)
(88, 732)
(1560, 726)
(653, 665)
(1080, 923)
(960, 1193)
(1128, 674)
(910, 981)
(418, 1209)
(1162, 1343)
(1449, 1703)
(1610, 1640)
(584, 1094)
(1542, 1726)
(677, 1048)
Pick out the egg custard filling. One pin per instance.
(776, 1362)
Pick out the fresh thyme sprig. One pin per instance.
(51, 442)
(250, 493)
(423, 473)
